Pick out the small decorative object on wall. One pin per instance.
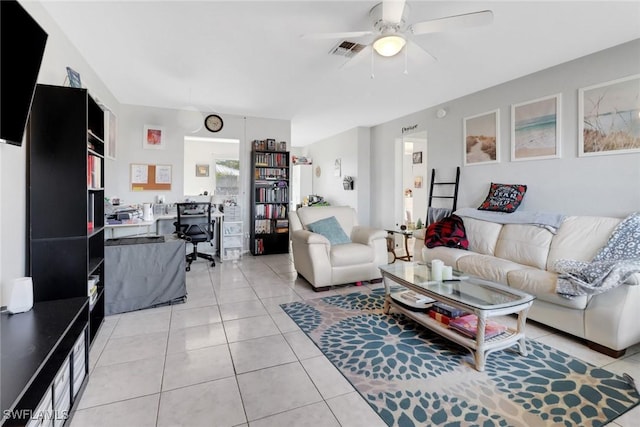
(417, 158)
(202, 170)
(609, 117)
(535, 129)
(337, 167)
(153, 137)
(318, 171)
(74, 77)
(417, 182)
(481, 138)
(110, 133)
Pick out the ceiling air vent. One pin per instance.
(347, 49)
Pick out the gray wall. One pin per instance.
(599, 185)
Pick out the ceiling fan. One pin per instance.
(392, 32)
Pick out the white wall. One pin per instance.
(59, 53)
(600, 185)
(352, 148)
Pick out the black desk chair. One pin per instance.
(194, 225)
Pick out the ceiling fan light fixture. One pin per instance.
(389, 45)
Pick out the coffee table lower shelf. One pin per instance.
(479, 350)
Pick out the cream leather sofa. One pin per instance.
(324, 265)
(522, 256)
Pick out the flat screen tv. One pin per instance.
(22, 43)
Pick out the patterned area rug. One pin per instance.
(413, 377)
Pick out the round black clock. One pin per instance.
(213, 123)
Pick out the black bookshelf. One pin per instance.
(269, 200)
(65, 201)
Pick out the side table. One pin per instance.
(391, 247)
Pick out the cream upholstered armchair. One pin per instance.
(354, 255)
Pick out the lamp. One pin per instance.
(389, 44)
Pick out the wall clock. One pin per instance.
(318, 171)
(213, 123)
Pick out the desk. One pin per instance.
(128, 224)
(391, 247)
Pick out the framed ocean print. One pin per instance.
(535, 129)
(153, 137)
(481, 143)
(609, 117)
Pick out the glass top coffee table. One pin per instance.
(483, 298)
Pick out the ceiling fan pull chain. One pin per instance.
(372, 74)
(406, 59)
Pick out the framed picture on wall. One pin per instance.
(110, 133)
(417, 181)
(417, 158)
(481, 143)
(609, 117)
(535, 129)
(153, 137)
(202, 170)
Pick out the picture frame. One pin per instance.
(202, 170)
(536, 129)
(481, 142)
(337, 168)
(417, 158)
(608, 117)
(153, 137)
(417, 181)
(110, 133)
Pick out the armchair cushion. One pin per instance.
(331, 229)
(351, 254)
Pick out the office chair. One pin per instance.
(194, 225)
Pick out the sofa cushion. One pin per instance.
(488, 267)
(503, 197)
(580, 238)
(331, 229)
(449, 256)
(524, 244)
(542, 285)
(351, 254)
(482, 235)
(345, 215)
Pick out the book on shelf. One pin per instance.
(448, 310)
(439, 317)
(468, 325)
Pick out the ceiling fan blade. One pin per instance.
(345, 35)
(357, 58)
(392, 10)
(455, 22)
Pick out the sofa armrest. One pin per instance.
(309, 238)
(418, 244)
(367, 235)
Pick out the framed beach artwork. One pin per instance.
(535, 129)
(609, 117)
(481, 138)
(153, 137)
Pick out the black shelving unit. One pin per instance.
(65, 201)
(269, 202)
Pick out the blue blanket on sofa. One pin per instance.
(610, 268)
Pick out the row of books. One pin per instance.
(272, 211)
(272, 195)
(270, 173)
(269, 145)
(464, 322)
(258, 246)
(92, 290)
(94, 171)
(280, 160)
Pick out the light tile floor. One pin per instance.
(230, 356)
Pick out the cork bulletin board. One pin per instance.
(150, 177)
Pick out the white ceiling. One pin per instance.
(247, 57)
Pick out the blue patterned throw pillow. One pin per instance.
(331, 229)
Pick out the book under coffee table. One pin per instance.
(483, 298)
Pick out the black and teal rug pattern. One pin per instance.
(413, 377)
